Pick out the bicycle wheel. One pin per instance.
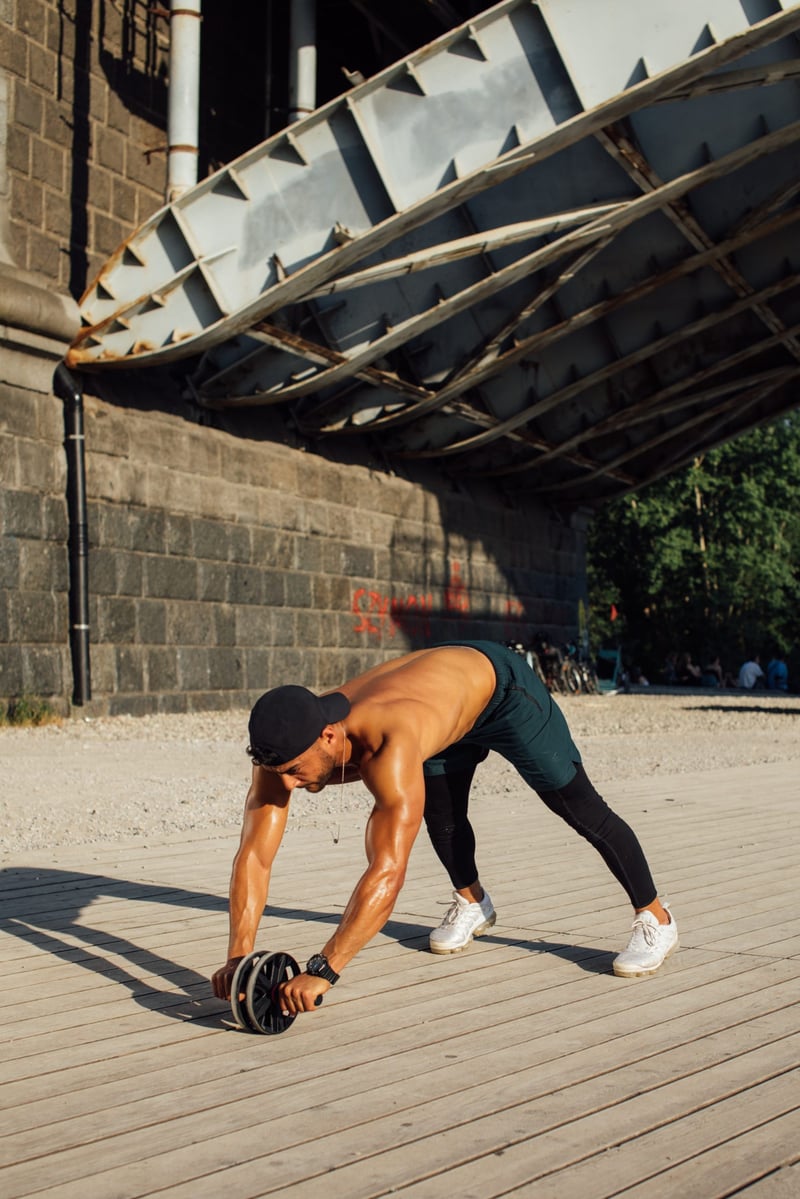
(590, 682)
(572, 677)
(536, 666)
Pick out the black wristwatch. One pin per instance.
(318, 966)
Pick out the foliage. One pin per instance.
(28, 710)
(707, 560)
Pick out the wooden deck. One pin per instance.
(522, 1067)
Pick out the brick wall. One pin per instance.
(84, 165)
(34, 657)
(219, 566)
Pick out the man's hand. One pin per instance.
(302, 993)
(221, 980)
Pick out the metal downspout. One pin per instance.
(184, 93)
(67, 389)
(302, 59)
(269, 24)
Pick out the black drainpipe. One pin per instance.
(67, 389)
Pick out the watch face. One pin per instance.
(319, 967)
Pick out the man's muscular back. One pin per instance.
(433, 696)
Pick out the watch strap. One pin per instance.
(319, 967)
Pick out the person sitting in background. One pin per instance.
(687, 673)
(751, 675)
(669, 671)
(714, 675)
(778, 673)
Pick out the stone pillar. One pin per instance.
(36, 325)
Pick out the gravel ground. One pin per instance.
(116, 778)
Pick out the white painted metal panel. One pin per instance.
(657, 138)
(608, 46)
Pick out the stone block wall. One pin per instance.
(34, 653)
(34, 327)
(220, 566)
(85, 151)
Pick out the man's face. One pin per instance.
(310, 771)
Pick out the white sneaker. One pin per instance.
(463, 921)
(650, 944)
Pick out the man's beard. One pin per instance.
(326, 770)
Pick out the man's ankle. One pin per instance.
(658, 910)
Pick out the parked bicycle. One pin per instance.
(560, 673)
(563, 671)
(584, 668)
(530, 656)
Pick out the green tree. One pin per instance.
(708, 559)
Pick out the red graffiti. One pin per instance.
(514, 615)
(413, 614)
(456, 597)
(383, 614)
(374, 603)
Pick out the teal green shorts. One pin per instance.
(520, 722)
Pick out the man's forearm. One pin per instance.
(248, 898)
(368, 909)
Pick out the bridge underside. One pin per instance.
(558, 247)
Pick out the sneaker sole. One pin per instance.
(630, 972)
(478, 932)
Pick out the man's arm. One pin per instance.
(265, 813)
(394, 776)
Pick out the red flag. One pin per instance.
(614, 612)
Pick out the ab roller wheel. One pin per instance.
(254, 992)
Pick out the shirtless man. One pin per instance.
(414, 730)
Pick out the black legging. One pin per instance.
(578, 803)
(446, 803)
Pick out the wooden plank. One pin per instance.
(122, 1078)
(501, 1039)
(714, 1172)
(556, 1040)
(535, 1138)
(119, 1107)
(783, 1183)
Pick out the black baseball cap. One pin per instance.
(284, 722)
